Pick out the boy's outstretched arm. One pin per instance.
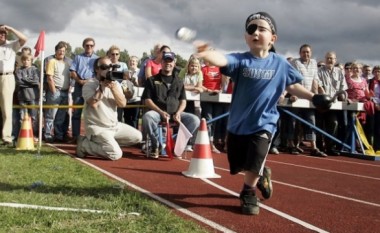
(216, 58)
(321, 102)
(299, 91)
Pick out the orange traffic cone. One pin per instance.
(201, 164)
(25, 137)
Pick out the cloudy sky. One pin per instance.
(351, 28)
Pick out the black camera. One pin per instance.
(111, 75)
(114, 75)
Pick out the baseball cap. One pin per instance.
(168, 56)
(264, 16)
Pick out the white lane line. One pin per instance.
(316, 191)
(193, 215)
(326, 170)
(209, 222)
(376, 164)
(196, 216)
(270, 209)
(328, 194)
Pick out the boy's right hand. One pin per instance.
(201, 46)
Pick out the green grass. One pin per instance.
(57, 180)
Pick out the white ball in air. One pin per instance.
(185, 34)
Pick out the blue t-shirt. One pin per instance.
(84, 65)
(259, 83)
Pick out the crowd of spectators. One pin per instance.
(65, 79)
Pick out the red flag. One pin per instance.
(169, 141)
(40, 45)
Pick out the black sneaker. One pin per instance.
(249, 203)
(293, 151)
(265, 183)
(154, 153)
(8, 144)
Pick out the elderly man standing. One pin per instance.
(8, 51)
(104, 132)
(331, 80)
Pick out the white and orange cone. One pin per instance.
(201, 164)
(25, 139)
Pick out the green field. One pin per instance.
(53, 179)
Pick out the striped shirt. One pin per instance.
(332, 80)
(309, 71)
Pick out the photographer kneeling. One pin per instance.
(104, 133)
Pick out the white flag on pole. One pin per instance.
(183, 137)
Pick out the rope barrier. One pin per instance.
(68, 106)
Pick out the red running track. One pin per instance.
(334, 194)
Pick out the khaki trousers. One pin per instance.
(7, 87)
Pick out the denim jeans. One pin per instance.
(209, 111)
(294, 127)
(55, 119)
(151, 119)
(131, 116)
(77, 113)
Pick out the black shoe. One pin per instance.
(73, 140)
(8, 144)
(265, 183)
(299, 149)
(154, 153)
(249, 203)
(49, 140)
(318, 153)
(332, 152)
(293, 151)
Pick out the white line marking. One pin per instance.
(326, 170)
(206, 221)
(270, 209)
(329, 194)
(316, 191)
(215, 225)
(345, 161)
(18, 205)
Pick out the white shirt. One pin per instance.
(8, 56)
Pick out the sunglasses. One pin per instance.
(114, 54)
(89, 45)
(105, 66)
(253, 27)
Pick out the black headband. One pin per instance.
(264, 16)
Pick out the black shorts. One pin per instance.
(248, 152)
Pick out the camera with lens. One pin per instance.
(113, 75)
